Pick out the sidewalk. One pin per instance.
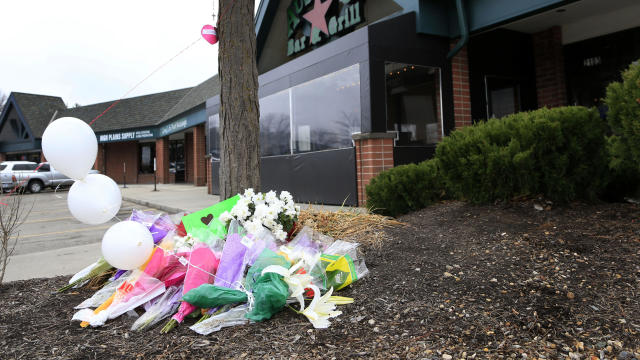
(175, 198)
(65, 261)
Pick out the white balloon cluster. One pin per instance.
(71, 147)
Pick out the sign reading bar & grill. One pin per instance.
(314, 24)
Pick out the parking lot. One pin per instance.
(52, 242)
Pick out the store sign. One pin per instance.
(126, 135)
(326, 19)
(592, 61)
(173, 126)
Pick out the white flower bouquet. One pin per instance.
(257, 210)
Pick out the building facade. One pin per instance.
(349, 88)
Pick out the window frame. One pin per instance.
(396, 140)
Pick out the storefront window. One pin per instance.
(326, 111)
(275, 127)
(503, 96)
(414, 108)
(322, 114)
(147, 152)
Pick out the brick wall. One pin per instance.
(100, 157)
(188, 157)
(461, 94)
(145, 179)
(549, 63)
(199, 147)
(3, 157)
(162, 160)
(374, 153)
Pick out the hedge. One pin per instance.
(623, 101)
(405, 188)
(557, 152)
(560, 153)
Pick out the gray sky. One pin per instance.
(89, 51)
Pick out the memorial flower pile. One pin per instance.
(231, 264)
(254, 211)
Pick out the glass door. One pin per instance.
(176, 160)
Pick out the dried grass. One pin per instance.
(365, 228)
(100, 280)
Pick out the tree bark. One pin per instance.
(239, 108)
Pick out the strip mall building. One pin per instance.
(349, 88)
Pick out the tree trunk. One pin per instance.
(239, 108)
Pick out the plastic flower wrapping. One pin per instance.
(232, 269)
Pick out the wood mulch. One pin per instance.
(458, 281)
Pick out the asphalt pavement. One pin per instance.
(51, 242)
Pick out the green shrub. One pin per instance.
(405, 188)
(624, 174)
(558, 152)
(623, 100)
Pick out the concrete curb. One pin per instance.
(167, 209)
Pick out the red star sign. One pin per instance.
(317, 16)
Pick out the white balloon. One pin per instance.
(95, 199)
(70, 145)
(127, 245)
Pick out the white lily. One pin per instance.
(321, 309)
(297, 282)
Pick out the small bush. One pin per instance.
(405, 188)
(623, 101)
(624, 174)
(557, 152)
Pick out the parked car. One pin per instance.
(13, 172)
(24, 174)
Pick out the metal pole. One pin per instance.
(124, 174)
(155, 172)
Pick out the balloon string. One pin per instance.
(55, 192)
(234, 285)
(143, 80)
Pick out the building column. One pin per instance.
(549, 62)
(461, 92)
(374, 154)
(199, 147)
(188, 157)
(162, 160)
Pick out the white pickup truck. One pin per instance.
(24, 175)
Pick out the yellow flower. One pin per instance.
(341, 300)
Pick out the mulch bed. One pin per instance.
(458, 281)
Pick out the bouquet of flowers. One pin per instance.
(257, 210)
